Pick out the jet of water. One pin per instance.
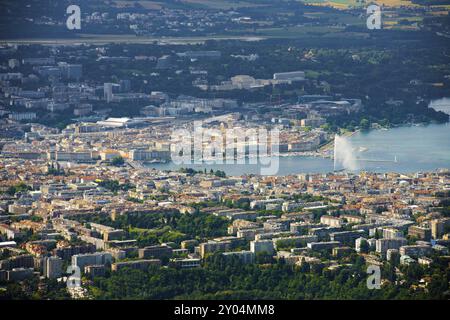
(344, 154)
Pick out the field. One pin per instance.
(344, 4)
(151, 5)
(211, 4)
(230, 4)
(223, 4)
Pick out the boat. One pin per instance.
(362, 149)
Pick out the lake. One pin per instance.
(404, 149)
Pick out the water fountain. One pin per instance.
(343, 154)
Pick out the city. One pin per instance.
(208, 151)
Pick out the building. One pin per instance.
(438, 227)
(347, 237)
(290, 206)
(20, 261)
(10, 232)
(302, 227)
(246, 257)
(39, 61)
(189, 244)
(123, 122)
(83, 109)
(52, 267)
(149, 155)
(313, 122)
(420, 233)
(406, 260)
(359, 243)
(186, 263)
(276, 225)
(200, 54)
(245, 82)
(382, 245)
(425, 261)
(213, 246)
(340, 252)
(392, 233)
(95, 270)
(13, 63)
(108, 91)
(98, 258)
(323, 232)
(331, 221)
(71, 71)
(19, 274)
(125, 85)
(326, 245)
(70, 156)
(415, 251)
(142, 265)
(108, 233)
(393, 256)
(66, 253)
(155, 252)
(262, 246)
(21, 116)
(11, 76)
(294, 241)
(8, 244)
(290, 76)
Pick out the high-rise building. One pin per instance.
(392, 233)
(262, 246)
(71, 71)
(382, 245)
(392, 255)
(438, 227)
(52, 267)
(109, 90)
(420, 233)
(98, 258)
(359, 243)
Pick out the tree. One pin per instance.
(364, 248)
(117, 161)
(364, 124)
(18, 188)
(220, 174)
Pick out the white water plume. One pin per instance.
(344, 154)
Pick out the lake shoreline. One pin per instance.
(402, 149)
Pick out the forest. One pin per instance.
(222, 278)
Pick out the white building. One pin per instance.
(98, 258)
(260, 246)
(19, 116)
(290, 76)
